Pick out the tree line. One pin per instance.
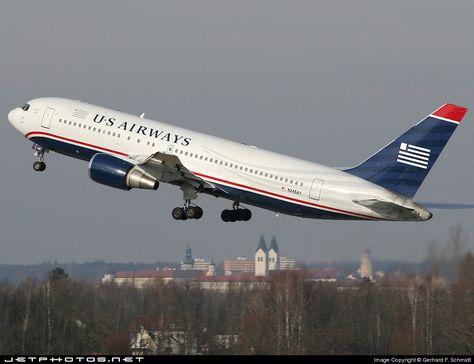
(431, 313)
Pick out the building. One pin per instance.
(266, 260)
(261, 259)
(175, 340)
(234, 281)
(321, 275)
(273, 256)
(190, 263)
(187, 263)
(365, 269)
(241, 264)
(287, 263)
(146, 277)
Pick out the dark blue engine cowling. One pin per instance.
(109, 170)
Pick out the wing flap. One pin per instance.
(169, 168)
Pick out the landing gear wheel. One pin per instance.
(190, 212)
(236, 215)
(247, 215)
(199, 212)
(39, 166)
(226, 215)
(178, 213)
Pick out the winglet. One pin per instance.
(450, 112)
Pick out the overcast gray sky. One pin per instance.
(327, 81)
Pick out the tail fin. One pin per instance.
(403, 164)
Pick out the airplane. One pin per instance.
(126, 151)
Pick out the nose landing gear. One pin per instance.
(39, 165)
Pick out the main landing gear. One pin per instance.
(187, 212)
(39, 165)
(236, 214)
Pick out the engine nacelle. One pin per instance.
(115, 172)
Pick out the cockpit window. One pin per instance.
(25, 107)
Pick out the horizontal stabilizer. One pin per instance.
(447, 206)
(393, 211)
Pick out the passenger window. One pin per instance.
(222, 163)
(70, 122)
(301, 184)
(128, 138)
(175, 151)
(153, 144)
(94, 129)
(200, 157)
(251, 170)
(210, 160)
(60, 120)
(85, 126)
(90, 127)
(186, 153)
(138, 140)
(180, 152)
(205, 159)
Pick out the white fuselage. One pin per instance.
(266, 179)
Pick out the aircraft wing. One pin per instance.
(168, 168)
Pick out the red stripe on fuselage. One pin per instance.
(75, 141)
(286, 197)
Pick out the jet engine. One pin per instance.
(118, 173)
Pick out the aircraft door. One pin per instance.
(316, 187)
(47, 116)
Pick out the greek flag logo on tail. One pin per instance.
(413, 155)
(403, 164)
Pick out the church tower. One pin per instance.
(273, 256)
(261, 259)
(187, 263)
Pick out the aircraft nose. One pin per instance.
(13, 116)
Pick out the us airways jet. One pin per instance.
(125, 151)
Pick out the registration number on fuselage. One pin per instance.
(296, 192)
